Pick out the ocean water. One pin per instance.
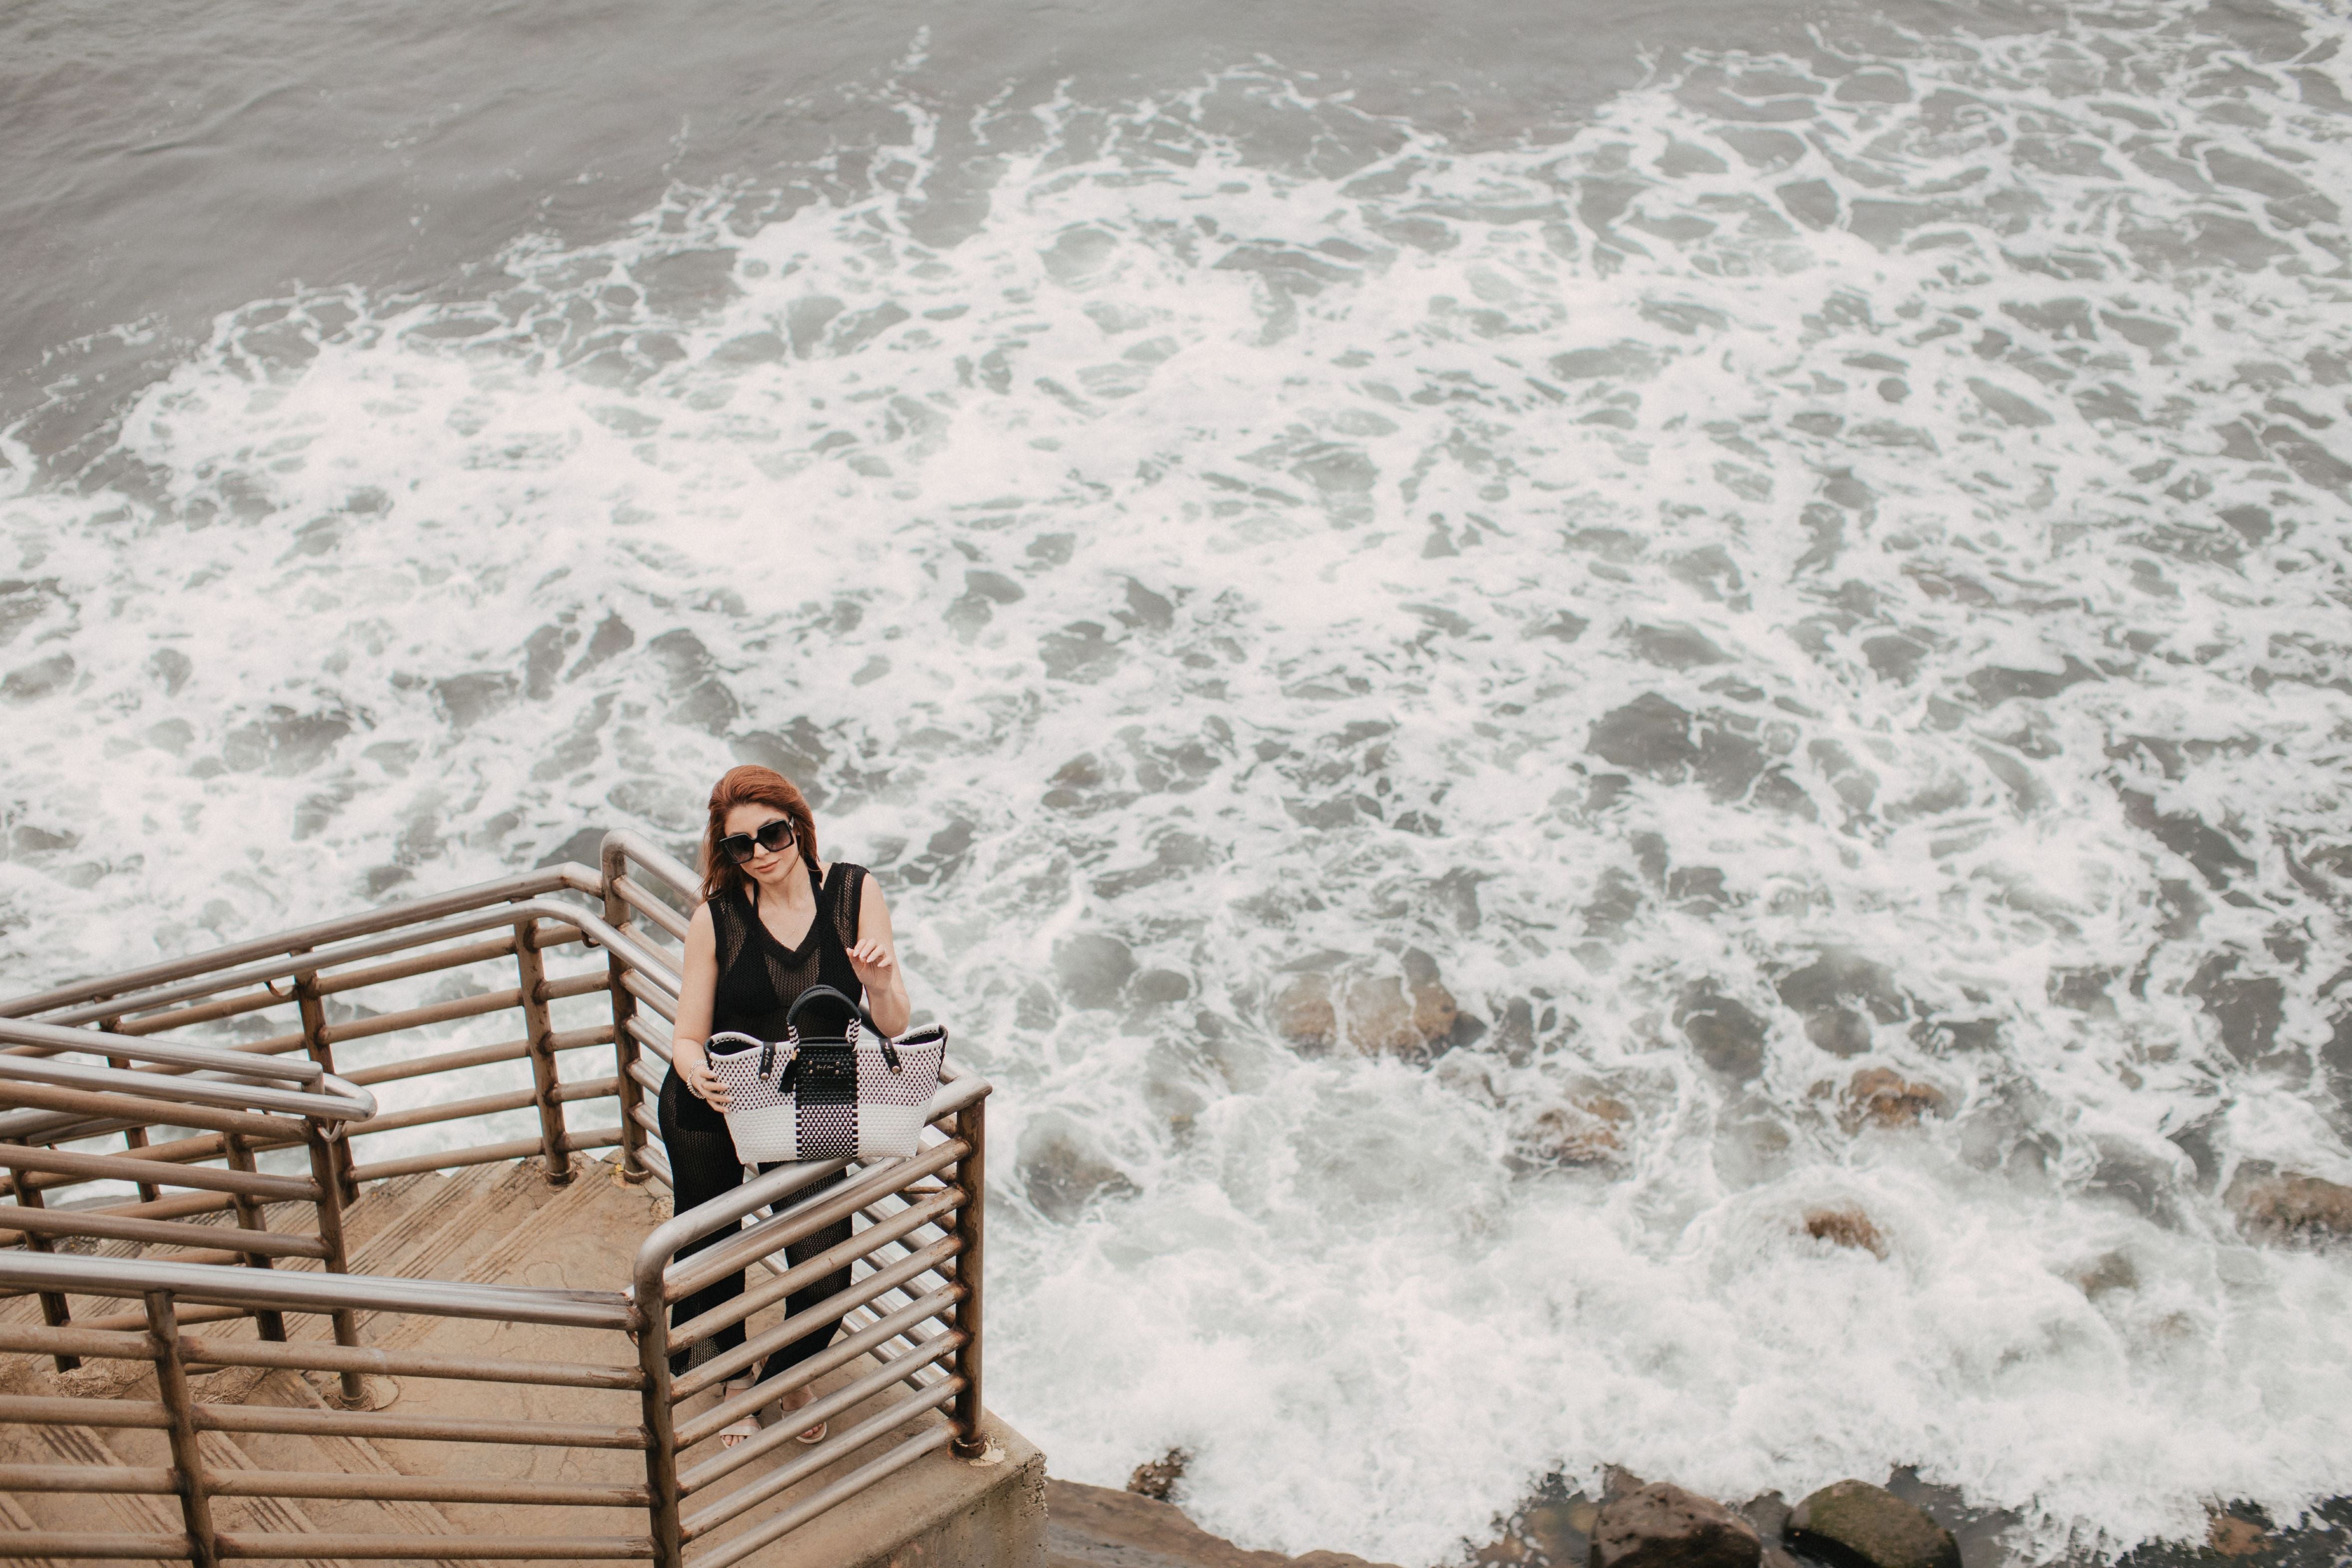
(1814, 564)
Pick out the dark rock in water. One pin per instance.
(1303, 1014)
(1062, 1178)
(2292, 1205)
(2249, 1008)
(1158, 1478)
(1853, 1524)
(1649, 735)
(1663, 1526)
(1093, 969)
(1887, 1099)
(1728, 1037)
(1846, 1227)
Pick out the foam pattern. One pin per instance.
(1831, 564)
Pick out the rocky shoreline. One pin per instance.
(1639, 1524)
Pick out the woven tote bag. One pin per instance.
(843, 1097)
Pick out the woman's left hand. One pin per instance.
(875, 965)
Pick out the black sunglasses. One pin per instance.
(772, 836)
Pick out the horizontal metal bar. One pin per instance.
(118, 1323)
(661, 1001)
(135, 1480)
(655, 1159)
(455, 1548)
(39, 1339)
(202, 1013)
(140, 1112)
(170, 1053)
(589, 1089)
(290, 1292)
(93, 1544)
(37, 1410)
(486, 1154)
(646, 1078)
(401, 938)
(351, 1485)
(418, 1017)
(719, 1368)
(573, 985)
(691, 1281)
(82, 1222)
(379, 1426)
(726, 1411)
(580, 1039)
(335, 1101)
(811, 1214)
(847, 1397)
(641, 899)
(129, 1167)
(654, 1040)
(834, 1496)
(311, 1357)
(447, 1061)
(447, 1110)
(725, 1463)
(335, 983)
(506, 890)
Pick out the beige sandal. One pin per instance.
(738, 1431)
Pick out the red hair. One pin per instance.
(750, 786)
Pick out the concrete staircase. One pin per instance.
(500, 1223)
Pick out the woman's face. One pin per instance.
(765, 866)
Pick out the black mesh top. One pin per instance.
(760, 977)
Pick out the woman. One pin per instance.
(774, 920)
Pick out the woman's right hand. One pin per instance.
(694, 1067)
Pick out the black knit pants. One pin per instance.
(704, 1165)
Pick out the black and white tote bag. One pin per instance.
(850, 1096)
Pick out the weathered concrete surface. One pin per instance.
(1094, 1527)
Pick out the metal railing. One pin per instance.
(210, 1116)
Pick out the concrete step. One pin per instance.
(1094, 1527)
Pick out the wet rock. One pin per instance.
(1158, 1478)
(1062, 1178)
(42, 678)
(1848, 1227)
(1649, 735)
(2291, 1206)
(1663, 1526)
(1093, 969)
(1884, 1097)
(1728, 1037)
(1675, 646)
(2249, 1009)
(1078, 652)
(1853, 1524)
(1381, 1019)
(1590, 1129)
(1303, 1013)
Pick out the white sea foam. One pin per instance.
(1274, 542)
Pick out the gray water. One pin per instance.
(1455, 635)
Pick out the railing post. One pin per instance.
(136, 1137)
(53, 1302)
(269, 1323)
(662, 1506)
(972, 1231)
(619, 916)
(180, 1409)
(331, 1231)
(322, 1051)
(532, 969)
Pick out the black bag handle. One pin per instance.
(813, 993)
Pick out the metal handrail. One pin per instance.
(523, 885)
(915, 1311)
(270, 1289)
